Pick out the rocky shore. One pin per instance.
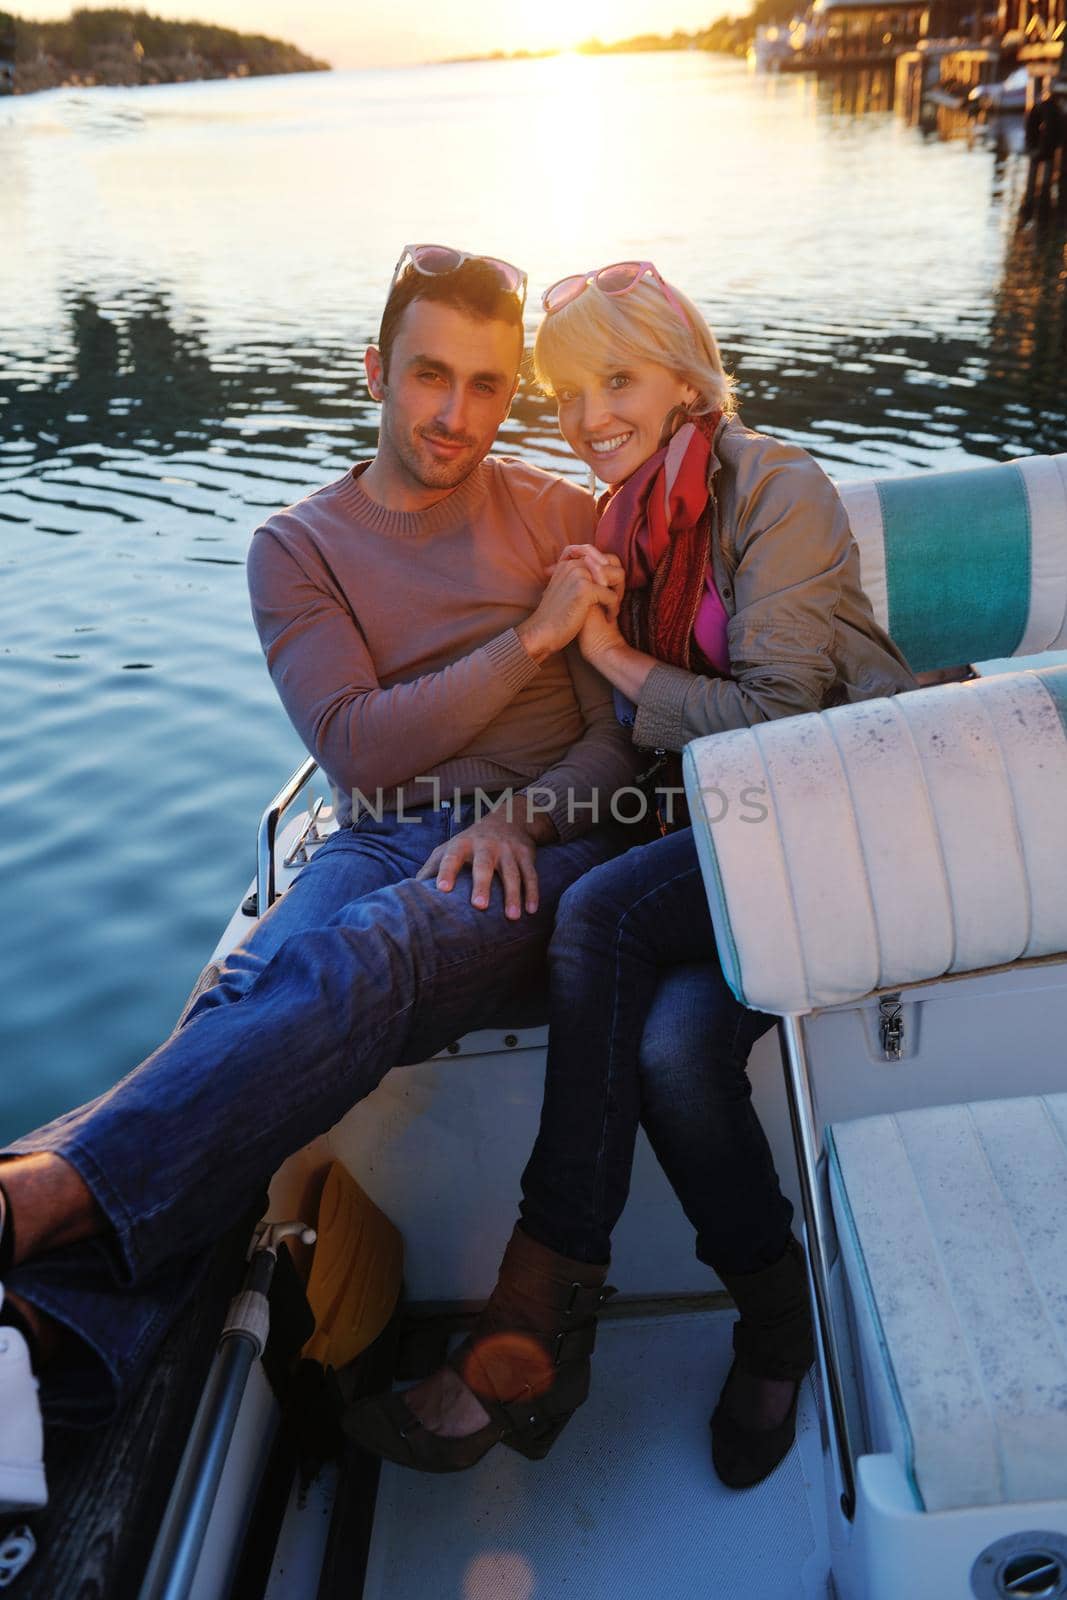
(132, 47)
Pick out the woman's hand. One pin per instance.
(599, 635)
(572, 588)
(600, 639)
(604, 568)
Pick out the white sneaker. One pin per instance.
(22, 1485)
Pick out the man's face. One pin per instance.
(450, 384)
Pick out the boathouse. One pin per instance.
(865, 32)
(1036, 30)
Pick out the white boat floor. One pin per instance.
(626, 1507)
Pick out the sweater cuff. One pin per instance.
(661, 708)
(566, 826)
(510, 658)
(568, 821)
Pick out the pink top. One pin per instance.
(709, 629)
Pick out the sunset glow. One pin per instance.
(362, 33)
(561, 24)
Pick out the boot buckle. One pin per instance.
(573, 1344)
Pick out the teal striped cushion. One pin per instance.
(957, 559)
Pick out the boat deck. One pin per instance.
(627, 1504)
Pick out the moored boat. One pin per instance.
(1002, 98)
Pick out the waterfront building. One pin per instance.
(963, 48)
(1035, 30)
(867, 32)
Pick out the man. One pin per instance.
(419, 650)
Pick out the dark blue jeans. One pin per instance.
(356, 969)
(643, 1029)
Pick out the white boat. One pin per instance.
(771, 46)
(1000, 99)
(903, 908)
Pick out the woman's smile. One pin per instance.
(606, 447)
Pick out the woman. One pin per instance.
(738, 600)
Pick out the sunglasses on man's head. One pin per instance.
(438, 260)
(617, 279)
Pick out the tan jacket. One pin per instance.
(801, 634)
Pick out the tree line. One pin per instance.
(119, 46)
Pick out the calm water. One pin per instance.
(187, 278)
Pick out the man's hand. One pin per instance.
(600, 634)
(604, 568)
(572, 588)
(494, 846)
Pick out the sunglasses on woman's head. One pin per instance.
(438, 260)
(617, 279)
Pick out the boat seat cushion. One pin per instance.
(885, 843)
(967, 565)
(952, 1224)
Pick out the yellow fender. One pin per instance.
(356, 1271)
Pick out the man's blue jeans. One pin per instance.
(356, 969)
(643, 1029)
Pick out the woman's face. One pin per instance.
(613, 419)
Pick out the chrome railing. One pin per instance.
(806, 1142)
(268, 833)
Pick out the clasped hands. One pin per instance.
(581, 601)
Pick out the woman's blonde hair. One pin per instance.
(597, 331)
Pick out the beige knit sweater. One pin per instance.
(390, 637)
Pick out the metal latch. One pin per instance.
(891, 1026)
(309, 835)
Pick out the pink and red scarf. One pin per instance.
(656, 523)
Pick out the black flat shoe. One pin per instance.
(744, 1456)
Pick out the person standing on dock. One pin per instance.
(426, 657)
(1045, 131)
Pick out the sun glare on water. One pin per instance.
(560, 24)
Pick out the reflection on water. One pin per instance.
(188, 279)
(1028, 336)
(861, 90)
(131, 375)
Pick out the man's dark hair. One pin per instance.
(473, 288)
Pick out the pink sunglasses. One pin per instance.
(617, 279)
(437, 260)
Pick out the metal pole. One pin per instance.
(806, 1142)
(177, 1551)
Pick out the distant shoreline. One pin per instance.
(133, 50)
(726, 35)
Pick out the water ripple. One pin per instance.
(188, 280)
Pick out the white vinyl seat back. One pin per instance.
(885, 843)
(952, 1224)
(968, 565)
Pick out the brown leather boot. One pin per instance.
(526, 1359)
(772, 1339)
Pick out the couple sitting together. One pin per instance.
(440, 622)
